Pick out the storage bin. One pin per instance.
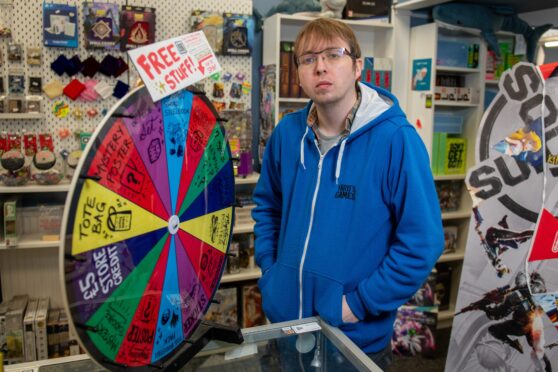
(452, 53)
(448, 123)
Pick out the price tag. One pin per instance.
(308, 327)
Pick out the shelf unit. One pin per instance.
(417, 4)
(424, 45)
(14, 260)
(32, 188)
(24, 116)
(243, 275)
(376, 38)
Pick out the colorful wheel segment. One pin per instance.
(147, 229)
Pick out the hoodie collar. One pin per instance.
(368, 107)
(312, 119)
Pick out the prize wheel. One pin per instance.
(147, 225)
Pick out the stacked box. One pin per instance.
(41, 318)
(225, 311)
(14, 330)
(425, 296)
(63, 334)
(74, 345)
(29, 330)
(10, 223)
(3, 310)
(252, 311)
(414, 330)
(52, 333)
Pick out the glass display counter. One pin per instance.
(302, 345)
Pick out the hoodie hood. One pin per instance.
(376, 106)
(372, 105)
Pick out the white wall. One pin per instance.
(540, 17)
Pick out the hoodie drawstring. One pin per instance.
(302, 149)
(339, 160)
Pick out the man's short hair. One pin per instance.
(325, 29)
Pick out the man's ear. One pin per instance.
(358, 67)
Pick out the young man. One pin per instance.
(348, 224)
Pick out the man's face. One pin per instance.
(329, 80)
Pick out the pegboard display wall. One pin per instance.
(25, 17)
(35, 271)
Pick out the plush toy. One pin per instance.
(294, 6)
(490, 19)
(332, 8)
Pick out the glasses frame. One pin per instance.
(343, 51)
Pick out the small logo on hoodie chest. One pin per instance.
(346, 192)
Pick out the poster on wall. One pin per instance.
(211, 23)
(101, 23)
(238, 34)
(422, 71)
(137, 26)
(60, 25)
(500, 321)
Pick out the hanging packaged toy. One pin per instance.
(72, 161)
(15, 52)
(15, 169)
(6, 8)
(33, 104)
(47, 168)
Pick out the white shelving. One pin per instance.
(248, 180)
(464, 70)
(243, 275)
(32, 242)
(417, 4)
(450, 257)
(456, 104)
(424, 45)
(449, 177)
(24, 116)
(293, 100)
(32, 187)
(456, 215)
(243, 228)
(445, 318)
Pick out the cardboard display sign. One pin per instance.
(171, 65)
(503, 319)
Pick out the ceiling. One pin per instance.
(520, 6)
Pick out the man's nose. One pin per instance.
(320, 64)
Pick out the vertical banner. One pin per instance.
(499, 322)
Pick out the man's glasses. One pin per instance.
(330, 55)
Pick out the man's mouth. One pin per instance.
(323, 84)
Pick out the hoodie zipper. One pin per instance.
(309, 229)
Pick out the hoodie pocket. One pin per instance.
(279, 293)
(328, 297)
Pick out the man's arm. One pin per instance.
(268, 199)
(418, 238)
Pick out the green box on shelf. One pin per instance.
(455, 158)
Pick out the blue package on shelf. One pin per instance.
(448, 123)
(452, 53)
(489, 95)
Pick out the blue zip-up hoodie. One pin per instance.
(362, 221)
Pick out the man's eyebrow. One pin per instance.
(319, 50)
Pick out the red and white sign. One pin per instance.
(545, 245)
(171, 65)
